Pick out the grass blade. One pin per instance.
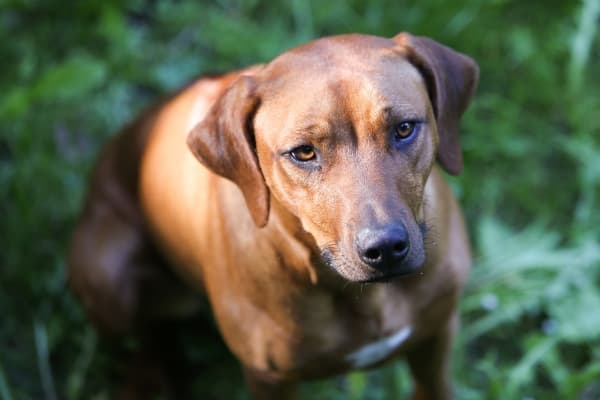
(582, 42)
(76, 379)
(43, 360)
(4, 388)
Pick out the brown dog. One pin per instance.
(281, 190)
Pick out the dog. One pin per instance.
(301, 198)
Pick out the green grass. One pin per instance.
(72, 74)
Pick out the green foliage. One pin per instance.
(73, 73)
(527, 285)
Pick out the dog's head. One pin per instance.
(343, 132)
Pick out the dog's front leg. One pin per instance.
(266, 389)
(430, 364)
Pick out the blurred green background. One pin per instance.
(74, 72)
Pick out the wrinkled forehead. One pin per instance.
(329, 81)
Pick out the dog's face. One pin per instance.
(345, 133)
(346, 138)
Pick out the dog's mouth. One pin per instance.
(355, 271)
(389, 277)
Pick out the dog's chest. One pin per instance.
(362, 331)
(378, 350)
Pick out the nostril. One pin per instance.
(400, 248)
(373, 254)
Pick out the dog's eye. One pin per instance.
(303, 153)
(404, 130)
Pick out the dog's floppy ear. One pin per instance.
(224, 142)
(451, 79)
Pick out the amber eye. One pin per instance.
(404, 129)
(303, 153)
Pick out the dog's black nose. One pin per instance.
(383, 248)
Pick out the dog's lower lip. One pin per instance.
(388, 277)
